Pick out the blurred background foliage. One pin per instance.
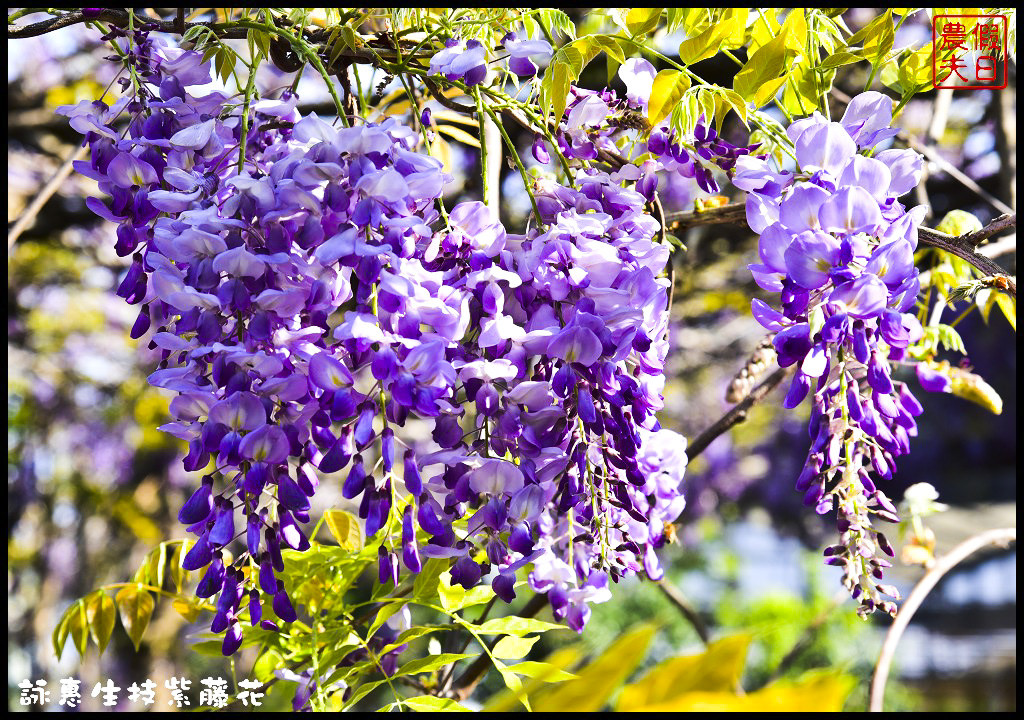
(93, 486)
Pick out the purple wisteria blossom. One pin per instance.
(461, 60)
(838, 245)
(526, 56)
(310, 302)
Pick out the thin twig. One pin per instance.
(963, 246)
(736, 414)
(1001, 537)
(684, 606)
(44, 195)
(957, 174)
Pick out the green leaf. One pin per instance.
(385, 613)
(640, 21)
(78, 625)
(562, 658)
(345, 528)
(179, 574)
(717, 669)
(959, 222)
(596, 682)
(187, 608)
(60, 633)
(556, 86)
(425, 588)
(668, 88)
(1008, 305)
(567, 64)
(840, 58)
(878, 41)
(267, 663)
(513, 648)
(136, 607)
(102, 616)
(763, 67)
(362, 691)
(703, 45)
(430, 703)
(430, 663)
(513, 625)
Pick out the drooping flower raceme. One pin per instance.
(838, 246)
(309, 301)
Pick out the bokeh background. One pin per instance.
(93, 486)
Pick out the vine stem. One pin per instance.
(1001, 537)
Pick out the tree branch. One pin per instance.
(683, 605)
(376, 49)
(963, 246)
(1001, 538)
(737, 414)
(44, 195)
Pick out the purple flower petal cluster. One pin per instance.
(524, 55)
(461, 60)
(838, 246)
(305, 308)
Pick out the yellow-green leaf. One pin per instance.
(640, 21)
(542, 671)
(78, 624)
(668, 88)
(795, 29)
(766, 93)
(60, 635)
(717, 669)
(513, 625)
(562, 658)
(703, 45)
(1009, 307)
(813, 692)
(513, 648)
(186, 608)
(430, 663)
(345, 528)
(430, 703)
(596, 682)
(557, 90)
(136, 608)
(267, 664)
(764, 66)
(878, 43)
(178, 573)
(970, 386)
(959, 222)
(840, 58)
(102, 616)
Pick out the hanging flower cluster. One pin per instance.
(839, 247)
(309, 299)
